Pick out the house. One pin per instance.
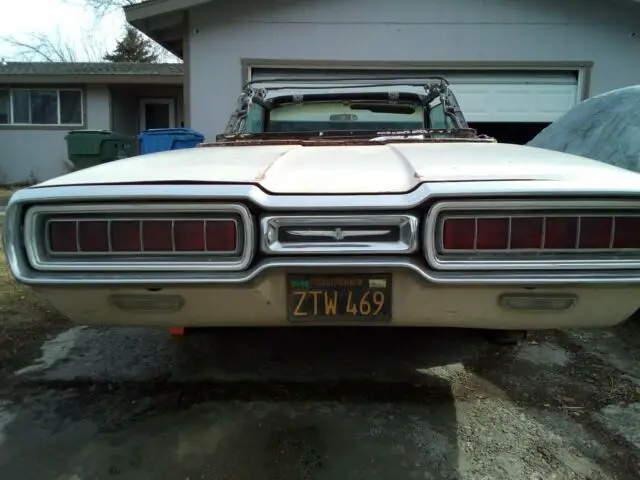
(41, 102)
(515, 65)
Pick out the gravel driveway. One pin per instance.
(115, 403)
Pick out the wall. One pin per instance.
(222, 33)
(125, 104)
(124, 111)
(28, 154)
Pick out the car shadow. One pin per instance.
(325, 403)
(382, 395)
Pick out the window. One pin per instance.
(21, 106)
(5, 105)
(255, 119)
(313, 117)
(437, 117)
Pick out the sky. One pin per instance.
(67, 20)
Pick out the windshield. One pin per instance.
(344, 116)
(314, 117)
(346, 109)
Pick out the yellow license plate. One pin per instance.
(339, 297)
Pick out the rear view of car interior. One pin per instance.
(511, 105)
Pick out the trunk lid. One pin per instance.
(339, 169)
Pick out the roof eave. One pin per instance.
(32, 79)
(170, 39)
(162, 20)
(153, 8)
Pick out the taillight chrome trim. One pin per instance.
(592, 259)
(41, 258)
(342, 229)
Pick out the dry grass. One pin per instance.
(18, 303)
(5, 194)
(25, 320)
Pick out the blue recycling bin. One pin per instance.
(163, 139)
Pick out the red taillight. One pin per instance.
(627, 232)
(221, 236)
(93, 236)
(561, 233)
(526, 232)
(492, 234)
(459, 234)
(166, 236)
(125, 236)
(595, 232)
(157, 236)
(63, 237)
(189, 235)
(558, 232)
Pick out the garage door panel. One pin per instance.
(514, 103)
(484, 96)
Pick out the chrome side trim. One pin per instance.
(35, 240)
(340, 229)
(554, 260)
(29, 276)
(22, 270)
(372, 202)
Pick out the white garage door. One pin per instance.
(484, 96)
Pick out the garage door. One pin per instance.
(484, 96)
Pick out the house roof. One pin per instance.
(90, 72)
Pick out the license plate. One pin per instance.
(339, 297)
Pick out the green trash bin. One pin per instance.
(88, 148)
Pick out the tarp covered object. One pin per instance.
(604, 128)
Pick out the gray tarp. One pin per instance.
(604, 128)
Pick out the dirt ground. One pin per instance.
(81, 403)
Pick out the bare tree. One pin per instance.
(40, 47)
(102, 7)
(53, 48)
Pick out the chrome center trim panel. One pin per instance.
(595, 259)
(36, 220)
(332, 234)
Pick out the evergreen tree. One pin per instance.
(133, 48)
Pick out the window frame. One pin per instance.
(11, 122)
(434, 106)
(142, 120)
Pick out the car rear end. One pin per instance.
(452, 254)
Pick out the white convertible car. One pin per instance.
(367, 203)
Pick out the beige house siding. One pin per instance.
(33, 153)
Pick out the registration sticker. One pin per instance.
(377, 283)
